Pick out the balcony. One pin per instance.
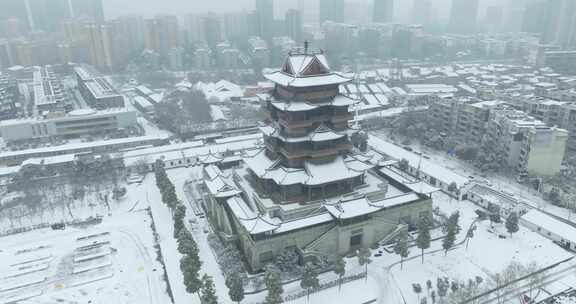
(310, 152)
(292, 123)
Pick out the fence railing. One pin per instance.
(323, 286)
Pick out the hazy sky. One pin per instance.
(114, 8)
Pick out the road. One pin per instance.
(152, 283)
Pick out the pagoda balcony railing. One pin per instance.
(303, 123)
(310, 152)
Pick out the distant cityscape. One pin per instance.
(66, 31)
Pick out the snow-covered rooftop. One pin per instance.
(311, 81)
(312, 173)
(295, 106)
(548, 223)
(429, 168)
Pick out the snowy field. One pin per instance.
(487, 254)
(111, 262)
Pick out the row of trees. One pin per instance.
(423, 239)
(447, 291)
(474, 291)
(190, 263)
(309, 280)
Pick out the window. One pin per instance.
(356, 241)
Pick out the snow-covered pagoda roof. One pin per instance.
(306, 69)
(311, 174)
(296, 106)
(346, 208)
(253, 222)
(308, 81)
(322, 133)
(210, 158)
(218, 184)
(341, 208)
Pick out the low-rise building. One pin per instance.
(97, 91)
(48, 91)
(550, 227)
(561, 61)
(10, 105)
(13, 158)
(74, 124)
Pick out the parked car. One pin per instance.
(135, 179)
(58, 226)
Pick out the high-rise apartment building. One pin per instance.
(560, 23)
(91, 10)
(422, 12)
(383, 11)
(331, 10)
(161, 34)
(463, 16)
(99, 44)
(294, 25)
(265, 19)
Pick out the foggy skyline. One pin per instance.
(115, 8)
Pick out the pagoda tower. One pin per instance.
(306, 190)
(306, 132)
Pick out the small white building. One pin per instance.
(549, 227)
(221, 91)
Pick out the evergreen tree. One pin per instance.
(452, 222)
(178, 227)
(208, 292)
(273, 283)
(449, 239)
(340, 270)
(494, 214)
(186, 244)
(417, 290)
(364, 259)
(442, 287)
(179, 212)
(190, 267)
(401, 247)
(512, 223)
(309, 280)
(235, 287)
(453, 189)
(423, 238)
(403, 164)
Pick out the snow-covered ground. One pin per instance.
(152, 129)
(111, 262)
(487, 254)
